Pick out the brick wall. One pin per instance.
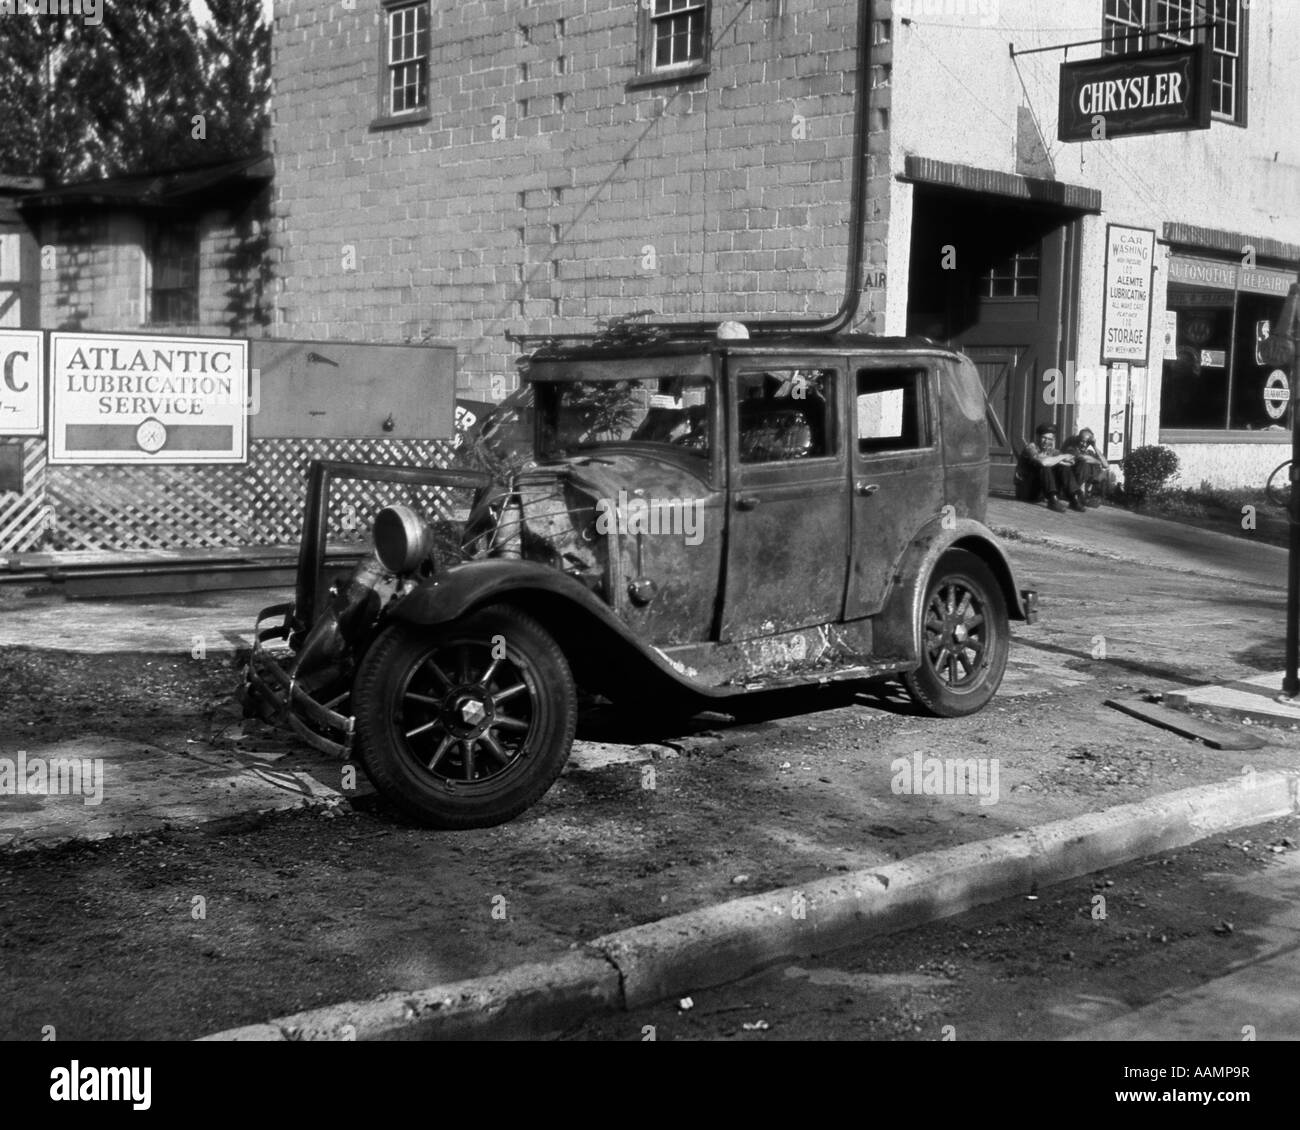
(92, 267)
(544, 194)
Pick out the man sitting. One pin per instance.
(1054, 472)
(1091, 463)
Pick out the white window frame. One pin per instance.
(405, 25)
(652, 15)
(1227, 44)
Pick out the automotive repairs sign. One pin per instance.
(1126, 316)
(22, 383)
(1123, 95)
(117, 398)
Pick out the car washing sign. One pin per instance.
(1126, 315)
(118, 398)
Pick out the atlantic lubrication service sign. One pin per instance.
(118, 398)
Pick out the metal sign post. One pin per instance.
(1282, 351)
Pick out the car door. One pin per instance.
(788, 500)
(897, 471)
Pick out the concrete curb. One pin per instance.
(717, 944)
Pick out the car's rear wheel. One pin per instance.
(965, 638)
(468, 724)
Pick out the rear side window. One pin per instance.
(785, 414)
(892, 414)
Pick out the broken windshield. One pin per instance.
(581, 415)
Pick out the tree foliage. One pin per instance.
(146, 90)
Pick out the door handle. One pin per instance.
(746, 502)
(866, 489)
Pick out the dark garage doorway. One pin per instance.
(997, 279)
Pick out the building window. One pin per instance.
(1122, 25)
(407, 55)
(1141, 25)
(1213, 374)
(173, 282)
(674, 37)
(1016, 276)
(1227, 90)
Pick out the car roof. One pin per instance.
(631, 347)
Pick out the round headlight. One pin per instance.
(402, 539)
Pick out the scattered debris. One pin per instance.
(757, 1026)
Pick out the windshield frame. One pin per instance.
(691, 368)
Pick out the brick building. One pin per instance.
(177, 252)
(451, 172)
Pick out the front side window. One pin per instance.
(785, 414)
(674, 36)
(407, 86)
(577, 416)
(173, 282)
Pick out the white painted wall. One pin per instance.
(956, 94)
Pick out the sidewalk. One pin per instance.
(1124, 536)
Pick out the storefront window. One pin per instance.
(1213, 377)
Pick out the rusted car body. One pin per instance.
(700, 519)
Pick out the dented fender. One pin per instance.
(898, 625)
(556, 598)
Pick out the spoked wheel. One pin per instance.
(468, 724)
(964, 638)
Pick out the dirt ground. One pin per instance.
(185, 932)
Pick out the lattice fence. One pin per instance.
(25, 515)
(211, 506)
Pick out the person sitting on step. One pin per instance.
(1055, 473)
(1093, 468)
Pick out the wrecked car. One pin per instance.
(699, 518)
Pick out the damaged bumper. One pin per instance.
(273, 680)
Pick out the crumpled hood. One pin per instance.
(604, 475)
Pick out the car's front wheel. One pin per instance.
(467, 724)
(965, 638)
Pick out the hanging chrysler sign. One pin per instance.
(118, 398)
(1123, 95)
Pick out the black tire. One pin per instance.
(431, 706)
(965, 638)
